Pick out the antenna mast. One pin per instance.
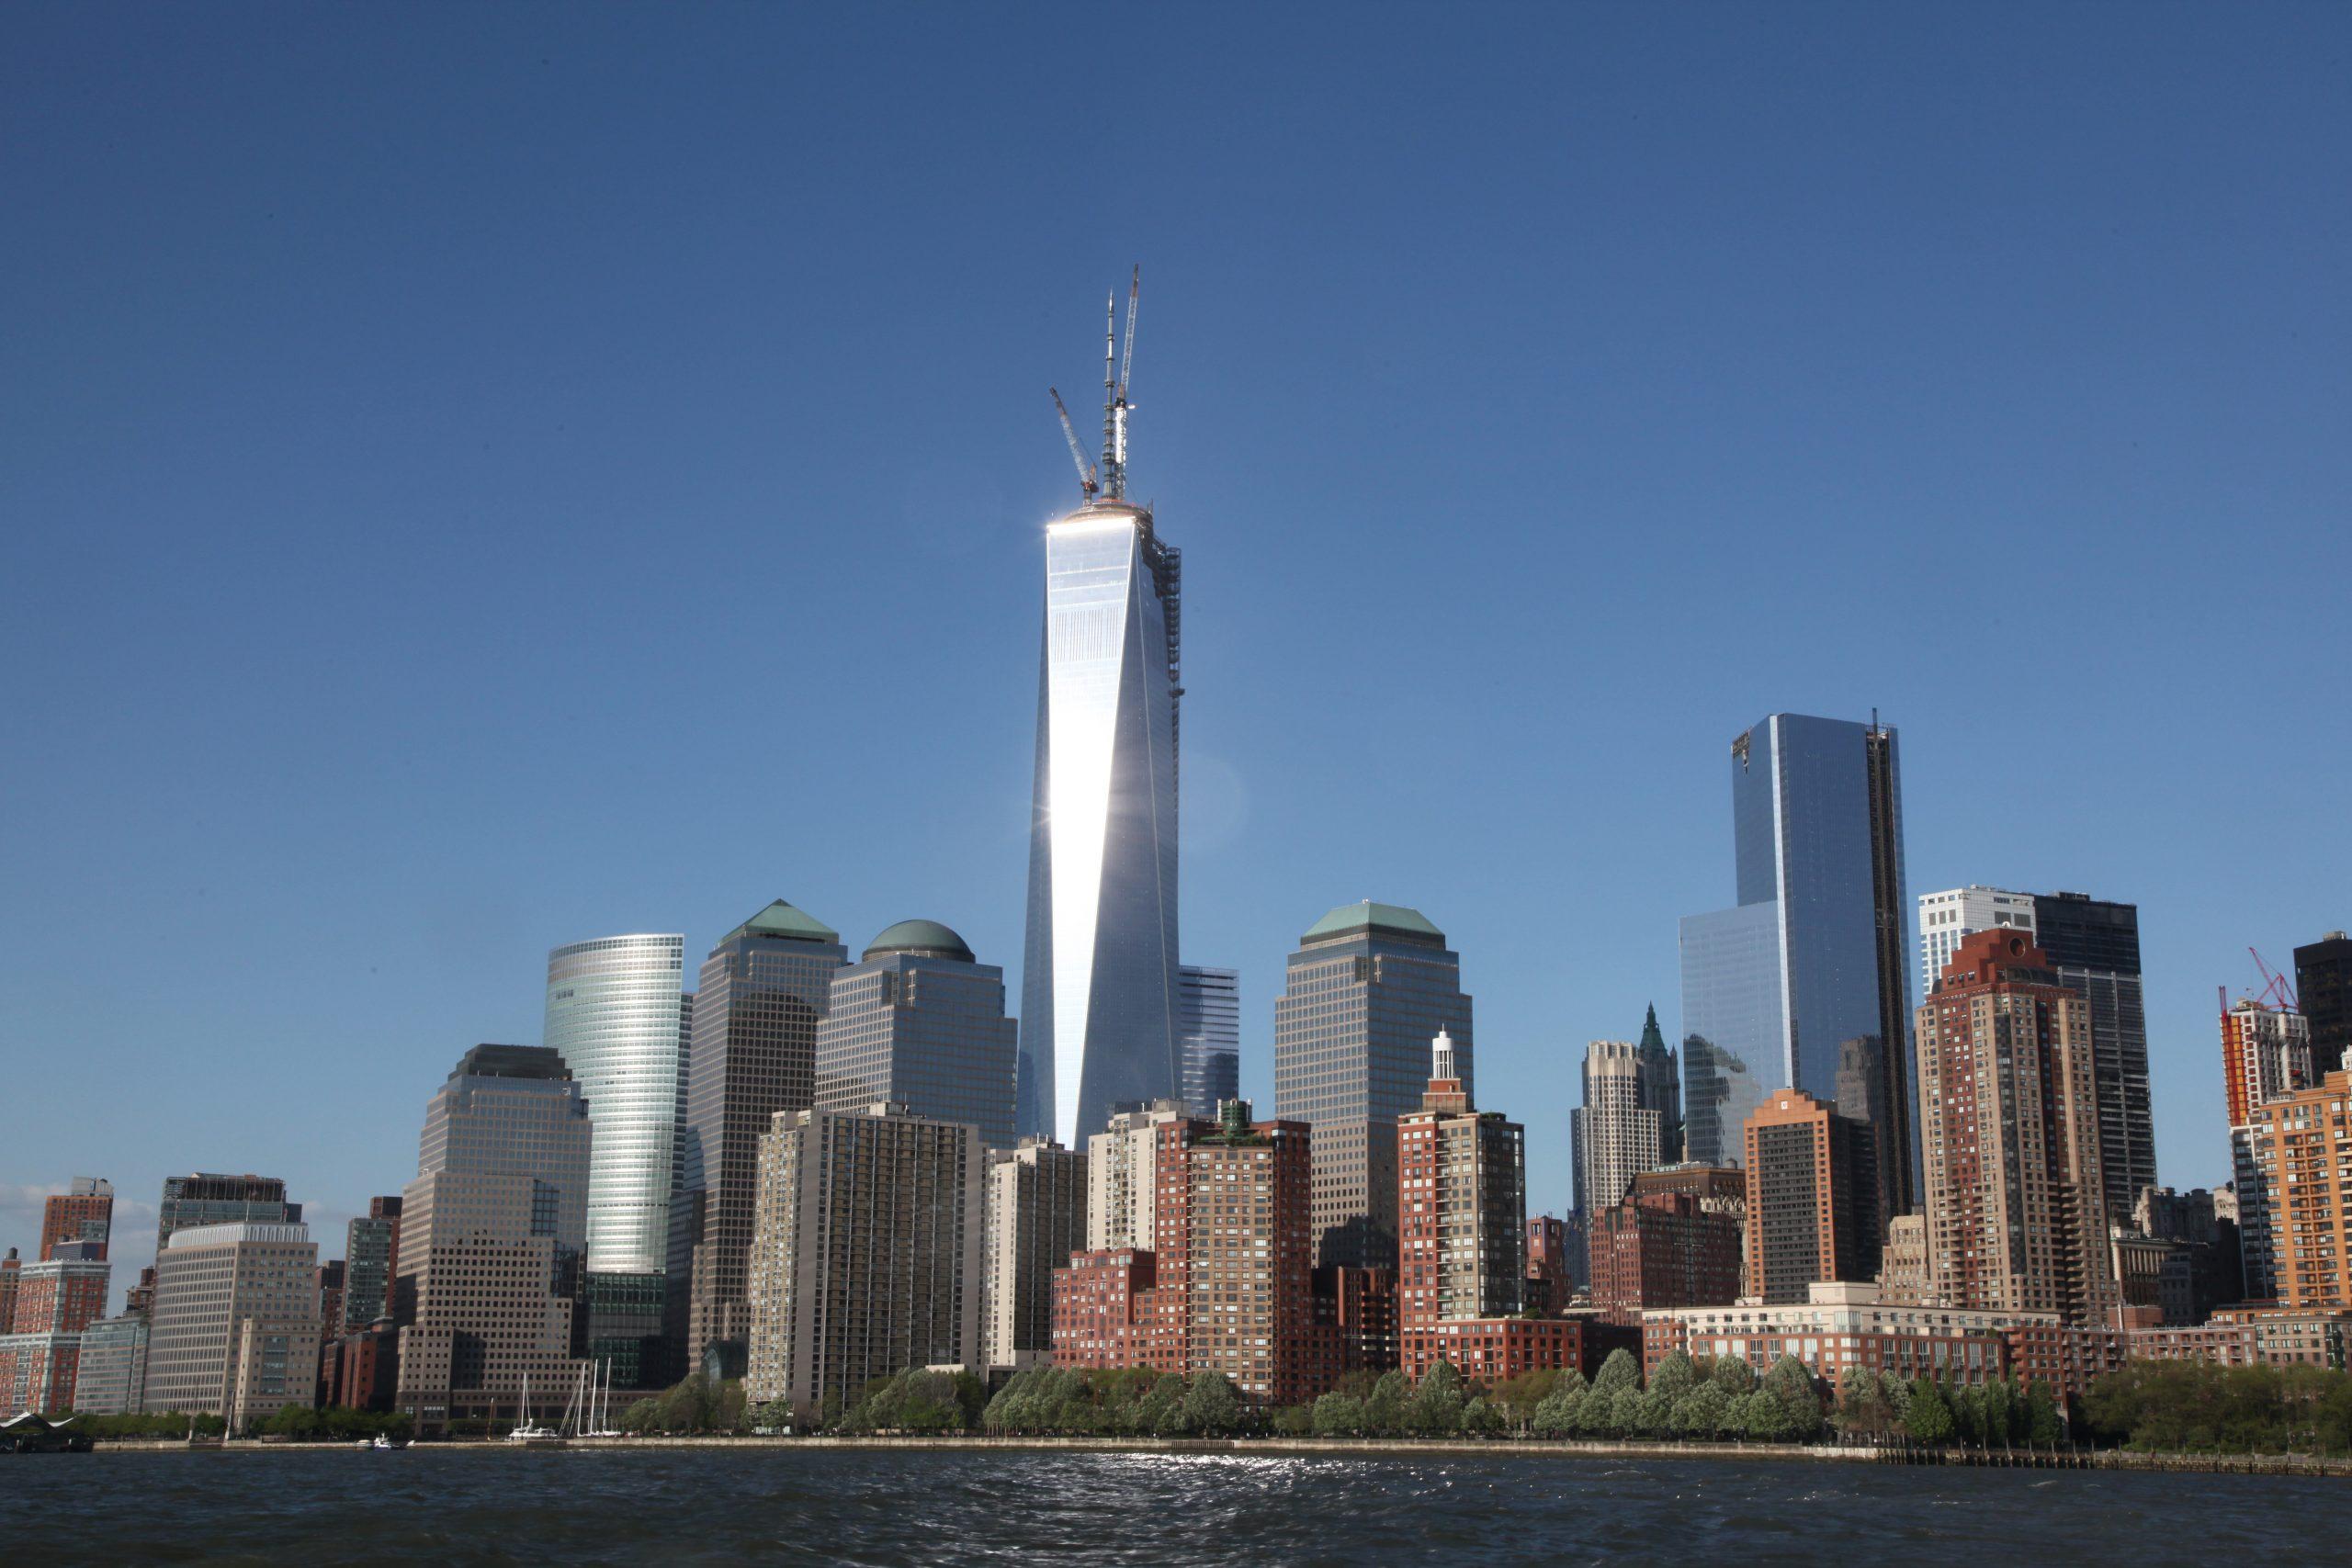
(1114, 392)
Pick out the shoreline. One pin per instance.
(1356, 1447)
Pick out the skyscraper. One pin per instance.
(919, 1021)
(1369, 986)
(1097, 999)
(763, 992)
(1804, 978)
(1953, 914)
(1812, 1198)
(2016, 1205)
(2324, 991)
(1661, 1079)
(2094, 943)
(612, 1013)
(1036, 1218)
(204, 1199)
(371, 1250)
(1122, 1178)
(236, 1327)
(1209, 1036)
(2301, 1147)
(84, 1214)
(1615, 1135)
(2265, 1056)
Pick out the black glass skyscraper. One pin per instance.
(1803, 982)
(2324, 991)
(2094, 944)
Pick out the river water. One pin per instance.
(924, 1507)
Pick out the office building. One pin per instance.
(492, 1234)
(1661, 1079)
(2094, 943)
(111, 1376)
(763, 992)
(1036, 1218)
(1099, 989)
(2323, 994)
(371, 1250)
(2017, 1206)
(1662, 1249)
(1123, 1180)
(1812, 1198)
(211, 1282)
(1803, 980)
(1948, 916)
(866, 1254)
(1209, 1036)
(918, 1022)
(1367, 988)
(1616, 1134)
(84, 1213)
(332, 1275)
(2301, 1151)
(206, 1199)
(612, 1015)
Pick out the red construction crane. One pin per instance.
(2276, 991)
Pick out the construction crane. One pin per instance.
(2276, 991)
(1086, 482)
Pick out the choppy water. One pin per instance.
(873, 1508)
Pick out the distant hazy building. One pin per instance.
(2324, 992)
(1812, 1198)
(1616, 1134)
(1209, 1036)
(1036, 1215)
(2094, 943)
(1099, 988)
(1804, 978)
(612, 1014)
(763, 992)
(1369, 986)
(211, 1282)
(492, 1235)
(204, 1199)
(918, 1022)
(1123, 1180)
(866, 1253)
(370, 1251)
(1948, 916)
(1903, 1273)
(2016, 1210)
(84, 1213)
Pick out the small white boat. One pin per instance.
(528, 1431)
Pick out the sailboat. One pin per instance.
(526, 1429)
(601, 1424)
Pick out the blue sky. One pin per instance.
(480, 478)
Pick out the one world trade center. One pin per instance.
(1099, 987)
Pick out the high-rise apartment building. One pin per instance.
(84, 1213)
(204, 1199)
(2323, 993)
(370, 1255)
(492, 1232)
(866, 1254)
(763, 992)
(1099, 989)
(52, 1301)
(1209, 1036)
(2266, 1052)
(2094, 943)
(1663, 1249)
(918, 1022)
(1803, 980)
(1617, 1132)
(1812, 1198)
(1369, 986)
(1123, 1177)
(2017, 1205)
(216, 1287)
(612, 1014)
(2300, 1144)
(1949, 916)
(1037, 1216)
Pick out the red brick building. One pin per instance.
(1665, 1249)
(84, 1214)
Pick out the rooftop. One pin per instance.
(512, 1062)
(1365, 915)
(920, 936)
(781, 919)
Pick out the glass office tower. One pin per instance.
(612, 1016)
(1812, 985)
(2094, 944)
(1208, 1035)
(918, 1021)
(1098, 1013)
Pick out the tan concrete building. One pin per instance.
(1036, 1218)
(210, 1282)
(1903, 1262)
(1121, 1183)
(2017, 1214)
(2302, 1147)
(866, 1256)
(1812, 1197)
(275, 1364)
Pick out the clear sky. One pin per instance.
(479, 477)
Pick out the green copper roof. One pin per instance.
(1379, 917)
(781, 919)
(920, 936)
(1652, 1040)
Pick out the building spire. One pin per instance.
(1441, 1055)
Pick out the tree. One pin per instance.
(2001, 1413)
(1675, 1376)
(1929, 1419)
(1211, 1406)
(1764, 1415)
(1864, 1410)
(1156, 1408)
(1619, 1372)
(1734, 1376)
(1294, 1420)
(1519, 1398)
(1555, 1416)
(1790, 1383)
(1653, 1412)
(1339, 1415)
(1705, 1412)
(1436, 1404)
(1968, 1413)
(1384, 1408)
(644, 1415)
(2043, 1427)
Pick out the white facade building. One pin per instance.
(1956, 912)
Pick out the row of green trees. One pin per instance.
(698, 1404)
(149, 1424)
(2204, 1408)
(1137, 1401)
(337, 1423)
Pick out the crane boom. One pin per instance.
(1076, 454)
(1127, 354)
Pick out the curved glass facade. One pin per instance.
(612, 1012)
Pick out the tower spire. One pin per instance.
(1111, 485)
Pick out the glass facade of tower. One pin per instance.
(1098, 1015)
(612, 1016)
(1209, 1036)
(2094, 943)
(1731, 1022)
